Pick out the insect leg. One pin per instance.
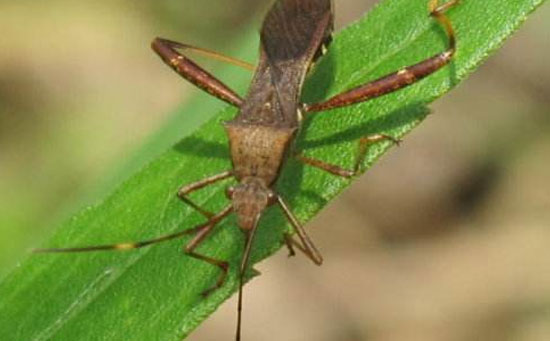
(402, 78)
(199, 238)
(306, 245)
(186, 189)
(364, 143)
(212, 54)
(185, 67)
(290, 243)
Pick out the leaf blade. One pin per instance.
(153, 293)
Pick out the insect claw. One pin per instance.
(397, 141)
(288, 242)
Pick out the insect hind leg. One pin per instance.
(401, 78)
(185, 67)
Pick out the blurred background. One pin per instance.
(446, 238)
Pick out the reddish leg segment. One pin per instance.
(167, 50)
(401, 78)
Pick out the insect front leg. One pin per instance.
(186, 189)
(202, 232)
(364, 143)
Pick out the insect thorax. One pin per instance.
(258, 150)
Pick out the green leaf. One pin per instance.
(153, 293)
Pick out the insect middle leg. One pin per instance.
(364, 143)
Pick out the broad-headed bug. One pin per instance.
(294, 34)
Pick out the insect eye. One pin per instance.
(271, 197)
(229, 192)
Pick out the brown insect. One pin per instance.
(294, 34)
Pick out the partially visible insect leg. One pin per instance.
(364, 143)
(185, 67)
(203, 231)
(290, 242)
(211, 54)
(402, 78)
(306, 245)
(186, 189)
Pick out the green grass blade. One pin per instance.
(153, 293)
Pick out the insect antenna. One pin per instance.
(244, 263)
(122, 246)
